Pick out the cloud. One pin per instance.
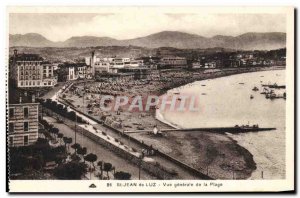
(137, 23)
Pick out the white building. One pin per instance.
(75, 72)
(31, 71)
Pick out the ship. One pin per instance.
(275, 86)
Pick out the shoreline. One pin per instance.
(249, 158)
(162, 119)
(185, 147)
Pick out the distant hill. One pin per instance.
(181, 40)
(88, 41)
(29, 40)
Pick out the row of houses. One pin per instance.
(236, 63)
(93, 65)
(27, 73)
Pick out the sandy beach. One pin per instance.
(217, 155)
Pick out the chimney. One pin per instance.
(33, 98)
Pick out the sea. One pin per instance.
(226, 102)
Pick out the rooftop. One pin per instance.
(81, 64)
(14, 95)
(27, 57)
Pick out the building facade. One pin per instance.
(30, 71)
(173, 61)
(23, 123)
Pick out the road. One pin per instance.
(102, 153)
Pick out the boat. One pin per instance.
(255, 89)
(251, 97)
(203, 85)
(241, 83)
(265, 91)
(271, 95)
(275, 86)
(203, 94)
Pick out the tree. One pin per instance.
(82, 151)
(91, 158)
(107, 167)
(54, 131)
(67, 141)
(72, 115)
(76, 146)
(70, 170)
(122, 175)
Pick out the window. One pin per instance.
(26, 140)
(11, 112)
(11, 127)
(26, 112)
(25, 126)
(49, 83)
(11, 141)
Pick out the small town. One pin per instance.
(116, 99)
(56, 129)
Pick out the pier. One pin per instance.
(233, 130)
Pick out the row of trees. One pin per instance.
(23, 160)
(75, 169)
(61, 110)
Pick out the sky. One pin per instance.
(128, 25)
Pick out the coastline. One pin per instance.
(248, 156)
(208, 152)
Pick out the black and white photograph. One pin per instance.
(150, 99)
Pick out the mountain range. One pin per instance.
(181, 40)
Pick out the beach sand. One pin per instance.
(216, 154)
